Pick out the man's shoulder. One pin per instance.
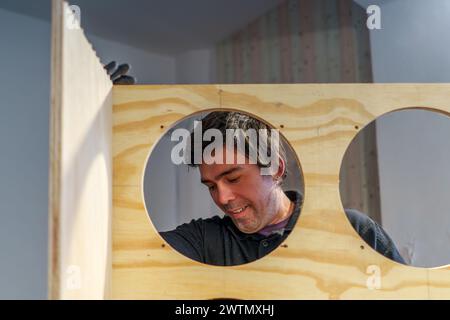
(367, 228)
(195, 228)
(358, 219)
(190, 238)
(372, 233)
(202, 223)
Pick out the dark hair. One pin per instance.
(223, 120)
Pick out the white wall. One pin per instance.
(413, 46)
(196, 66)
(24, 143)
(414, 153)
(173, 194)
(147, 67)
(24, 121)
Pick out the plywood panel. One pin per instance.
(80, 204)
(323, 258)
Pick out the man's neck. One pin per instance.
(285, 209)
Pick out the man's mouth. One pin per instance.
(238, 211)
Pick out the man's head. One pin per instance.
(251, 199)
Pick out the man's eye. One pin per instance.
(234, 180)
(211, 188)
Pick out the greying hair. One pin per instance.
(223, 120)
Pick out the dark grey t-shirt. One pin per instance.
(218, 241)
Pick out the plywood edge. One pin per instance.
(55, 149)
(80, 165)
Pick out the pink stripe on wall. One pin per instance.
(347, 49)
(307, 46)
(237, 57)
(285, 43)
(255, 42)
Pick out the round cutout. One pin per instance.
(223, 187)
(395, 186)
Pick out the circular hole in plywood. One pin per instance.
(395, 186)
(223, 187)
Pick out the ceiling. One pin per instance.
(162, 26)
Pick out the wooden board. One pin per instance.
(80, 197)
(323, 258)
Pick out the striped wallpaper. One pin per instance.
(299, 41)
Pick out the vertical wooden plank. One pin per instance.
(255, 43)
(220, 61)
(371, 181)
(285, 43)
(228, 61)
(320, 40)
(55, 151)
(265, 49)
(333, 40)
(246, 56)
(350, 176)
(237, 57)
(359, 174)
(273, 47)
(80, 195)
(296, 56)
(362, 45)
(347, 43)
(308, 45)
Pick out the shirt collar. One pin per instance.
(297, 198)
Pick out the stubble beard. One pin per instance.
(268, 215)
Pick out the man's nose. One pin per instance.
(224, 194)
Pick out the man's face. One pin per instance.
(247, 197)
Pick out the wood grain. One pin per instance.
(323, 258)
(80, 197)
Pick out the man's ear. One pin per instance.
(281, 170)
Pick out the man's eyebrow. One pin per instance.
(223, 174)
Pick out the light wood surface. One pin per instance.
(80, 197)
(323, 258)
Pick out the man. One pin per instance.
(259, 215)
